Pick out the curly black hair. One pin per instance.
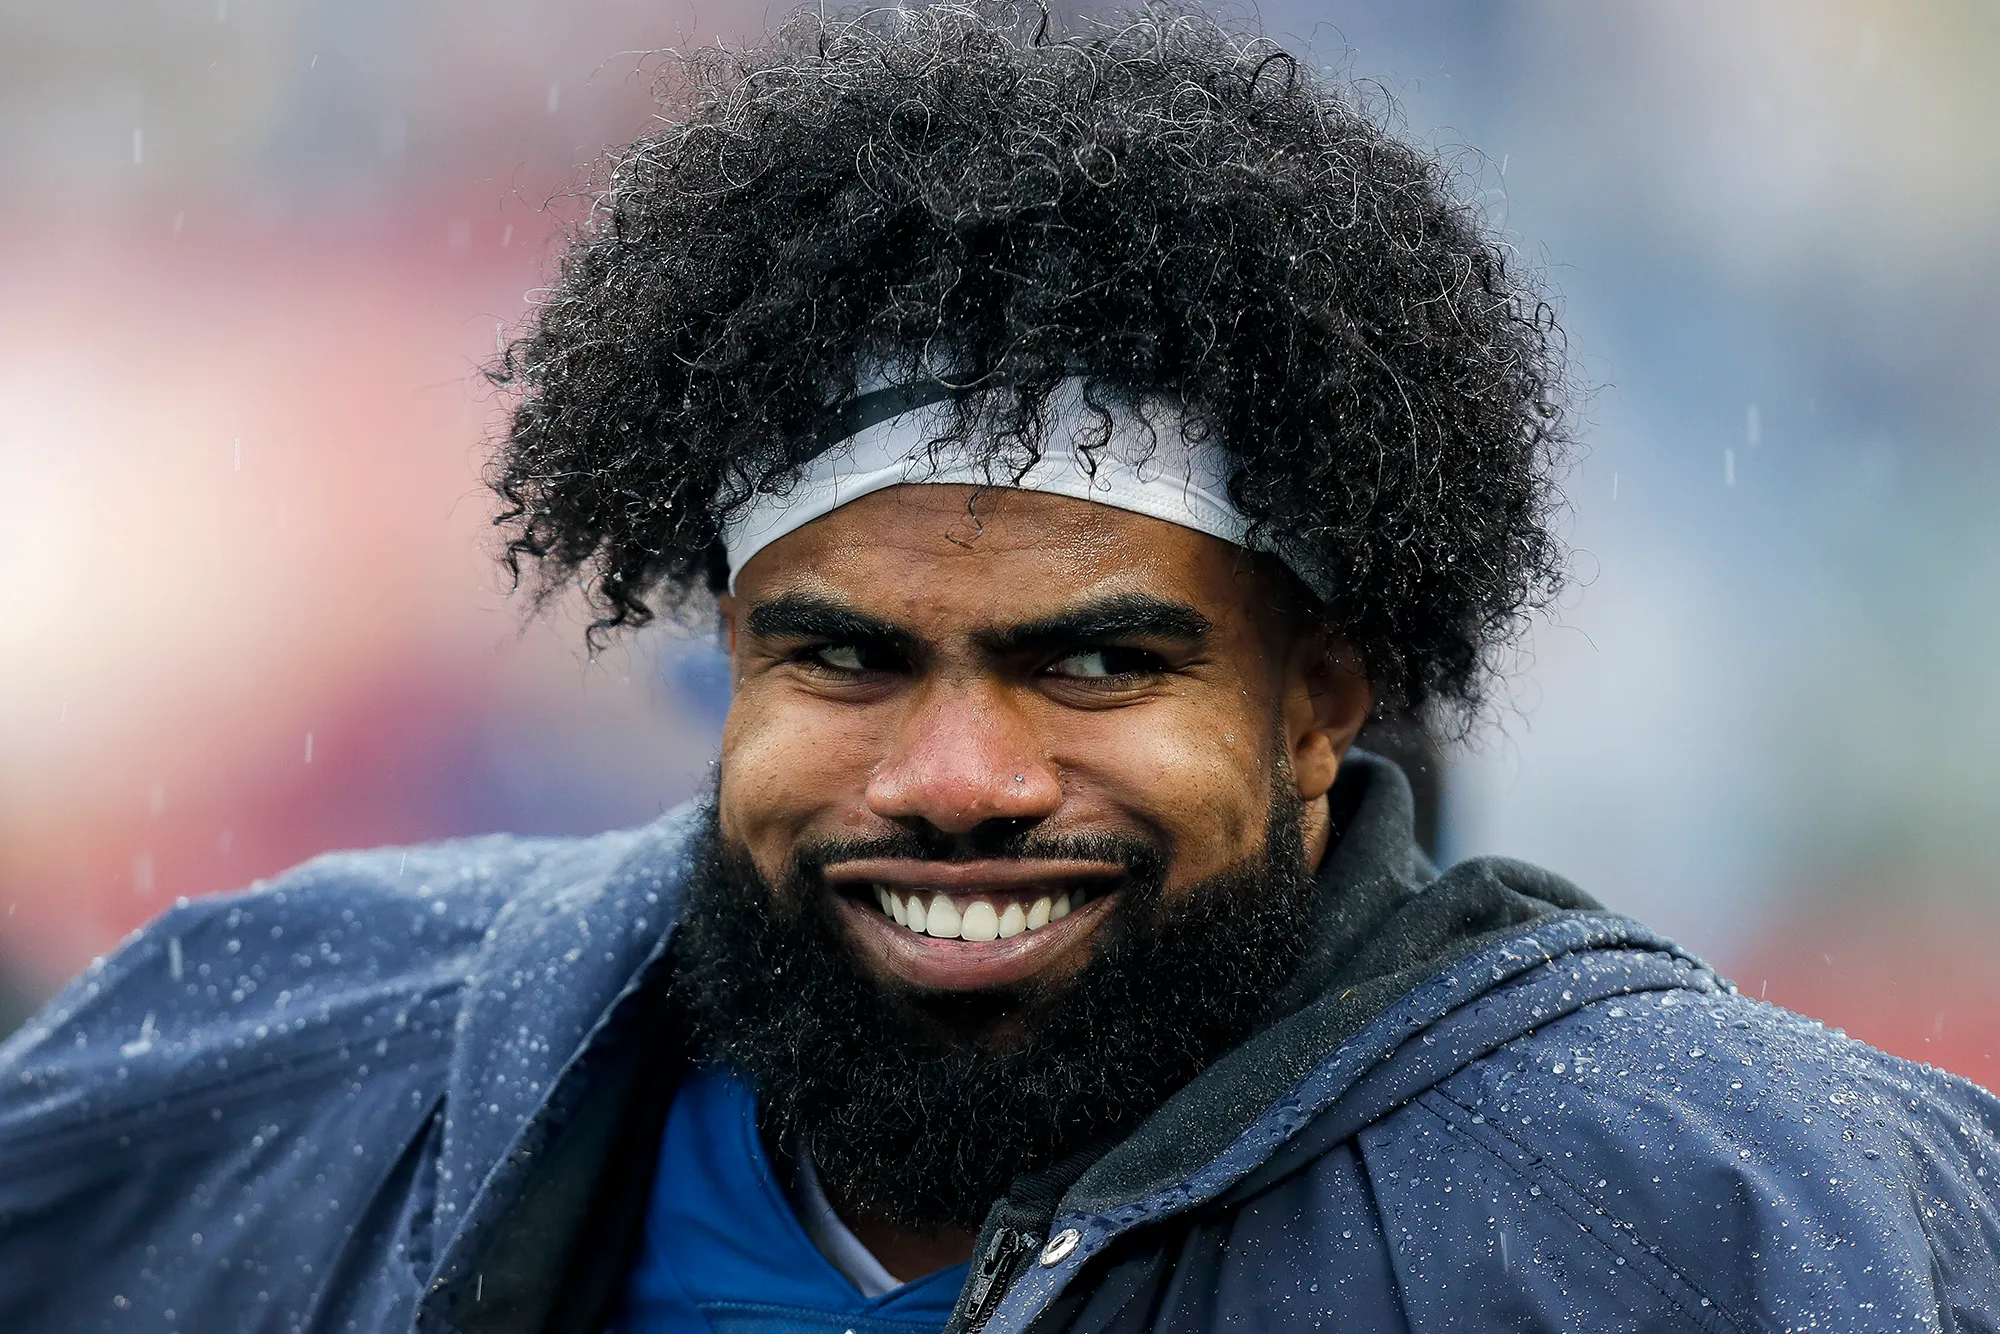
(1155, 203)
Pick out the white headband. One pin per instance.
(1147, 466)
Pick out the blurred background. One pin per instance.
(253, 253)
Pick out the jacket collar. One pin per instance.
(567, 969)
(1527, 978)
(1384, 921)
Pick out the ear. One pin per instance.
(1327, 697)
(729, 605)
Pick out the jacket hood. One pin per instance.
(1385, 921)
(1412, 975)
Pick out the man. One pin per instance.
(1080, 439)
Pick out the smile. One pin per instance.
(971, 925)
(977, 918)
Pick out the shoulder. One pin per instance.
(291, 1081)
(370, 947)
(1774, 1167)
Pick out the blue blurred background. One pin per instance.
(252, 253)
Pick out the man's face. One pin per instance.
(989, 705)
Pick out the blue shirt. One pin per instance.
(724, 1252)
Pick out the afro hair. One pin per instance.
(1155, 203)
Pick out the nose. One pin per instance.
(961, 757)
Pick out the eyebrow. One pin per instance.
(810, 616)
(798, 615)
(1123, 616)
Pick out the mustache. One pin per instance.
(1141, 858)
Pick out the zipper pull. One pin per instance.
(989, 1280)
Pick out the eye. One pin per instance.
(838, 665)
(1106, 663)
(840, 657)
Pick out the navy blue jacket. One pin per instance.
(422, 1089)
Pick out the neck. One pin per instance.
(905, 1254)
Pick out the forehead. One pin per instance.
(992, 553)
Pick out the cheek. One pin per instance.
(784, 765)
(1196, 772)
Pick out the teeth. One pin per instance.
(980, 922)
(942, 919)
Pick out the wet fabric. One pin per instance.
(725, 1253)
(425, 1089)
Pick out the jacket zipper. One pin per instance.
(990, 1280)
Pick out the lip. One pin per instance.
(1001, 876)
(931, 964)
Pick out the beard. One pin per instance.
(920, 1108)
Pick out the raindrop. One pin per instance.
(143, 1043)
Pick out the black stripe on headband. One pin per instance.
(859, 413)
